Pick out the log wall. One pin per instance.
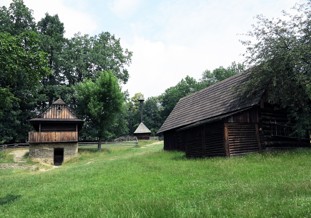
(205, 141)
(49, 137)
(241, 138)
(276, 130)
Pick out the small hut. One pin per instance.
(55, 138)
(217, 121)
(142, 132)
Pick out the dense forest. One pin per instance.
(38, 64)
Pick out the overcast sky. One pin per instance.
(170, 39)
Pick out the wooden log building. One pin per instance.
(142, 132)
(55, 138)
(216, 121)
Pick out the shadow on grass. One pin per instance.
(9, 199)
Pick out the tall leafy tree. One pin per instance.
(22, 66)
(17, 18)
(87, 56)
(100, 102)
(52, 31)
(279, 52)
(152, 114)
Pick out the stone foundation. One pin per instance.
(45, 152)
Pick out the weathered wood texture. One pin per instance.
(242, 138)
(58, 112)
(174, 141)
(205, 141)
(276, 130)
(247, 116)
(49, 137)
(58, 127)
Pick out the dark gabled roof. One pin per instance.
(142, 129)
(214, 101)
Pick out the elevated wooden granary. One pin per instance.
(55, 138)
(217, 121)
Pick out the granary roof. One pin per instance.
(59, 101)
(57, 112)
(218, 100)
(142, 129)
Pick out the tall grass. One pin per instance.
(148, 182)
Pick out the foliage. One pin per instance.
(279, 52)
(100, 102)
(52, 31)
(87, 56)
(152, 114)
(22, 65)
(133, 110)
(189, 85)
(148, 182)
(220, 73)
(172, 95)
(38, 64)
(16, 19)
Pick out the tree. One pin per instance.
(52, 31)
(100, 102)
(22, 66)
(152, 114)
(172, 95)
(17, 18)
(220, 73)
(87, 56)
(278, 52)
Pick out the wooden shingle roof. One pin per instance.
(57, 112)
(218, 100)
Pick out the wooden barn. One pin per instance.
(142, 132)
(216, 121)
(55, 138)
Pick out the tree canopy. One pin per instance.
(278, 53)
(99, 102)
(38, 64)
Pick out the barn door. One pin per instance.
(58, 156)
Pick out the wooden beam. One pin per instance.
(226, 139)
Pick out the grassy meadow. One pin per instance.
(145, 181)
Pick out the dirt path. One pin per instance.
(18, 154)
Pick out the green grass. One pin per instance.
(5, 156)
(148, 182)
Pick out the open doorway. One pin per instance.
(58, 156)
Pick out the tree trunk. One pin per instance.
(99, 146)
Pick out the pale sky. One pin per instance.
(170, 39)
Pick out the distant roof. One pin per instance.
(207, 104)
(59, 101)
(142, 129)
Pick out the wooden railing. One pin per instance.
(43, 137)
